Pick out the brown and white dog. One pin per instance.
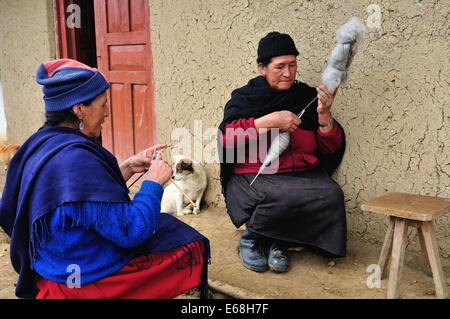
(190, 176)
(7, 151)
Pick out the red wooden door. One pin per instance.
(124, 57)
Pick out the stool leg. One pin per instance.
(424, 251)
(386, 249)
(434, 259)
(398, 254)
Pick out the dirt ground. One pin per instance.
(310, 276)
(8, 276)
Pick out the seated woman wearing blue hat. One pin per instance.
(296, 203)
(74, 231)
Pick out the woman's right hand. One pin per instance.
(159, 172)
(286, 121)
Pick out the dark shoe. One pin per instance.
(251, 251)
(278, 258)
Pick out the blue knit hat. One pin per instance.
(68, 82)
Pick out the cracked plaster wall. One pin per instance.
(26, 39)
(395, 108)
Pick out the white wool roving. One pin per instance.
(348, 37)
(278, 146)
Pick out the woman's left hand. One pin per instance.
(141, 162)
(325, 101)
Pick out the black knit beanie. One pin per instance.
(275, 44)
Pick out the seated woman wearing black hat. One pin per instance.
(297, 203)
(74, 231)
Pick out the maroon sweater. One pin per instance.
(299, 156)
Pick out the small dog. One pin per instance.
(7, 151)
(191, 178)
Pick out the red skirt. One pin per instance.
(155, 276)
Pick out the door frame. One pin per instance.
(65, 37)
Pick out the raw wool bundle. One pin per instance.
(348, 38)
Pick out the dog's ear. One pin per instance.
(186, 165)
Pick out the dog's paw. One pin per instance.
(185, 211)
(196, 211)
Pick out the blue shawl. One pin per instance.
(60, 165)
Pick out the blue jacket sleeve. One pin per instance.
(125, 224)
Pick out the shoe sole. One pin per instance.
(256, 269)
(278, 270)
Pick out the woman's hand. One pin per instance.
(325, 101)
(151, 152)
(286, 121)
(159, 172)
(140, 162)
(324, 108)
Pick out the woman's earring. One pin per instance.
(81, 126)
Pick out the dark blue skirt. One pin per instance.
(302, 209)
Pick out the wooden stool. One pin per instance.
(409, 210)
